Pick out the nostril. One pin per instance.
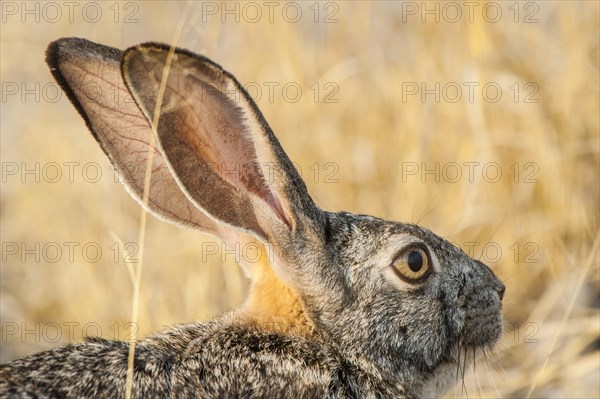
(501, 289)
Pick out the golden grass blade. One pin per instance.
(584, 274)
(144, 213)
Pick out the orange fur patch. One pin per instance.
(274, 305)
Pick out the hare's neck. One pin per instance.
(274, 305)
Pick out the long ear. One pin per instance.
(217, 142)
(90, 75)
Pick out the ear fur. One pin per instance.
(89, 74)
(216, 141)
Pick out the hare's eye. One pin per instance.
(412, 264)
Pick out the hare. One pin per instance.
(343, 306)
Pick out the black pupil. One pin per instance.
(415, 261)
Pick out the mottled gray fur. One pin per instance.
(373, 335)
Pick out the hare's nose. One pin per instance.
(500, 289)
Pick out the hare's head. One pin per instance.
(400, 297)
(393, 297)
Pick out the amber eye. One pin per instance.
(412, 264)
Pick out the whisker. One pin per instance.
(477, 383)
(464, 387)
(498, 363)
(490, 379)
(431, 210)
(458, 348)
(458, 362)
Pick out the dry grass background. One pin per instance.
(551, 305)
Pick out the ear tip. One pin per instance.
(138, 50)
(58, 49)
(68, 47)
(66, 42)
(146, 47)
(165, 48)
(77, 50)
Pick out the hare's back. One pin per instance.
(220, 358)
(246, 361)
(97, 367)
